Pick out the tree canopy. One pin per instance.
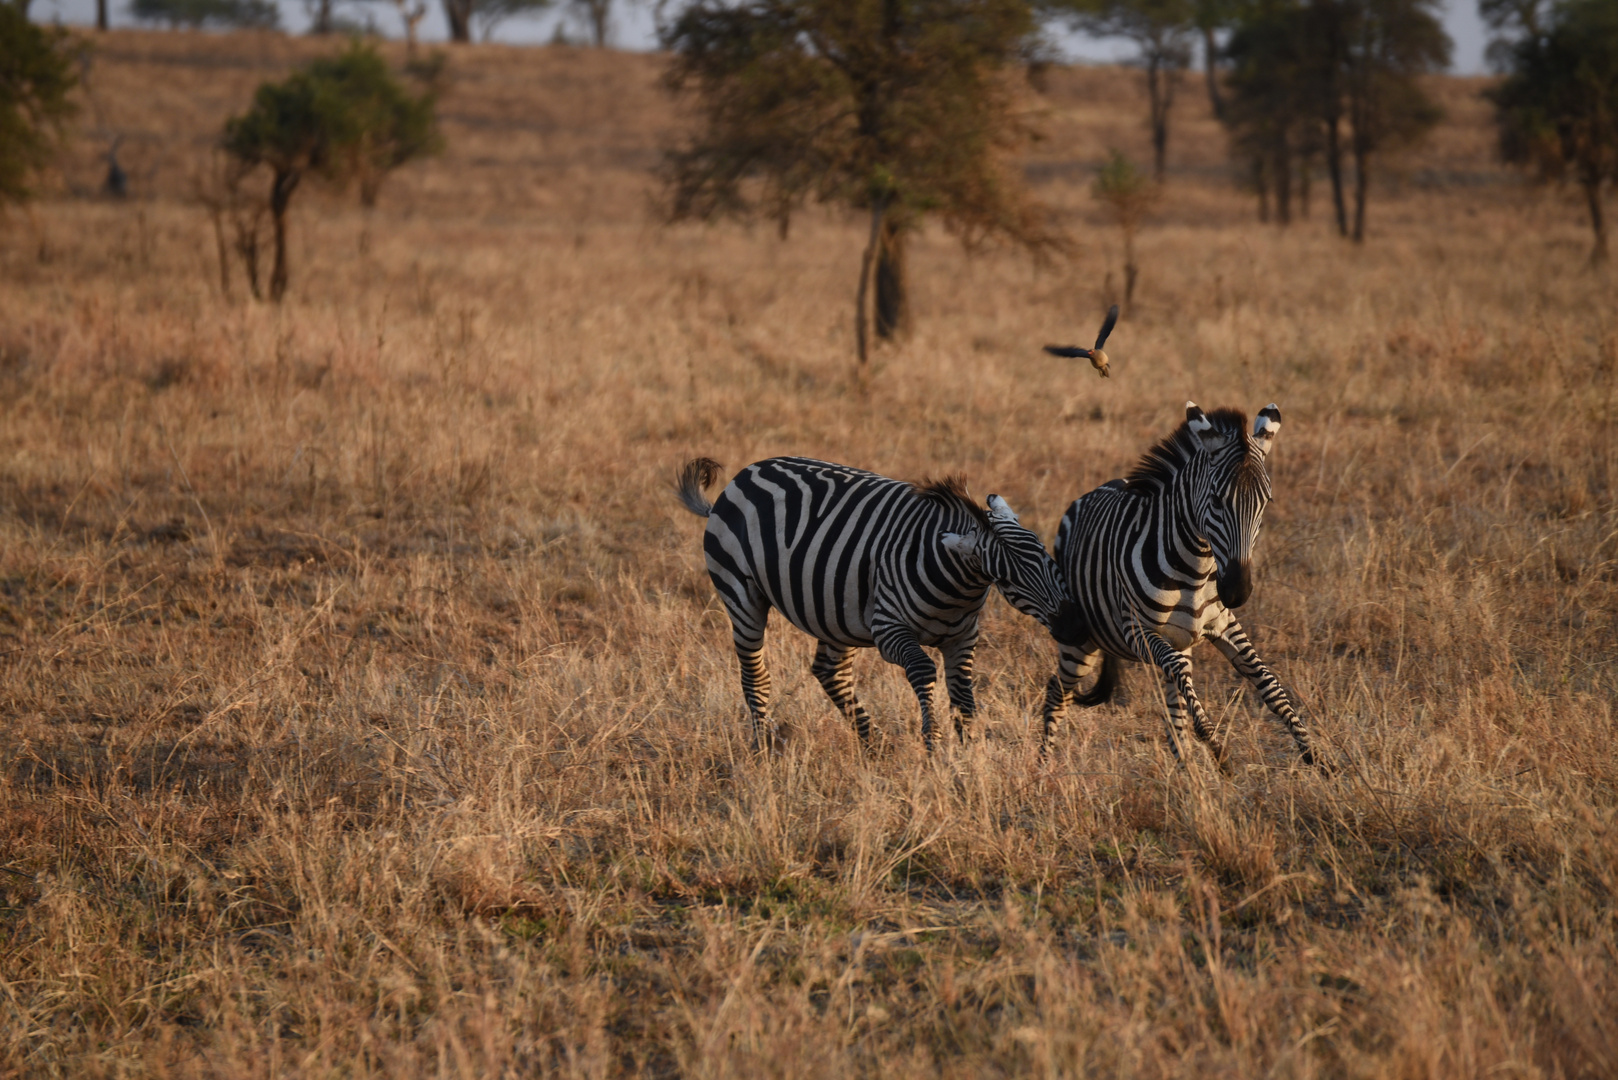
(1558, 108)
(1162, 31)
(901, 108)
(261, 14)
(36, 80)
(1338, 77)
(343, 118)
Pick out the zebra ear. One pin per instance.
(964, 545)
(1266, 427)
(1001, 513)
(1203, 428)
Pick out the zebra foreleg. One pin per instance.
(899, 646)
(1072, 666)
(958, 681)
(1181, 693)
(1238, 649)
(834, 667)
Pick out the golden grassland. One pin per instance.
(367, 709)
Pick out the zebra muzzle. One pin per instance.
(1236, 585)
(1069, 627)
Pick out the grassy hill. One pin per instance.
(368, 711)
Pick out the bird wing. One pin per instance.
(1070, 351)
(1106, 327)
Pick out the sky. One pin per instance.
(633, 27)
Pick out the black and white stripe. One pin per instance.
(1159, 561)
(858, 560)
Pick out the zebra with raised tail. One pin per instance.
(1160, 560)
(857, 560)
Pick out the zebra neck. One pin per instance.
(1180, 506)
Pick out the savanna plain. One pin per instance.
(367, 709)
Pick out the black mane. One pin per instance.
(951, 492)
(1158, 466)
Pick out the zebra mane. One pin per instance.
(951, 492)
(1159, 465)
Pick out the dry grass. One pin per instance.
(368, 711)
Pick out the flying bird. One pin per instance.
(1097, 358)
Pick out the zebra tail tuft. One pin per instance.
(695, 477)
(1106, 683)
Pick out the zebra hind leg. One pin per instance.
(1181, 695)
(1238, 649)
(749, 615)
(834, 667)
(958, 681)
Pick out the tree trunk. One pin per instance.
(1598, 221)
(877, 212)
(216, 214)
(599, 12)
(1362, 181)
(280, 196)
(1334, 169)
(1216, 100)
(1157, 94)
(1261, 184)
(892, 303)
(1131, 271)
(321, 23)
(101, 14)
(1283, 182)
(459, 15)
(247, 248)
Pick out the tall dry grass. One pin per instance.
(368, 711)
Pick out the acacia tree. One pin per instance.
(1558, 108)
(1338, 76)
(340, 118)
(1279, 111)
(36, 77)
(898, 108)
(1128, 196)
(1390, 43)
(1211, 16)
(1162, 31)
(597, 16)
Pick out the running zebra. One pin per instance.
(858, 560)
(1162, 558)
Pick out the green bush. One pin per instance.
(36, 77)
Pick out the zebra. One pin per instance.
(857, 560)
(1163, 558)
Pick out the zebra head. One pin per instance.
(1229, 501)
(1017, 562)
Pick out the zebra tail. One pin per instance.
(1106, 683)
(695, 477)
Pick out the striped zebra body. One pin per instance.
(1160, 561)
(857, 560)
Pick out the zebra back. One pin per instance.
(819, 541)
